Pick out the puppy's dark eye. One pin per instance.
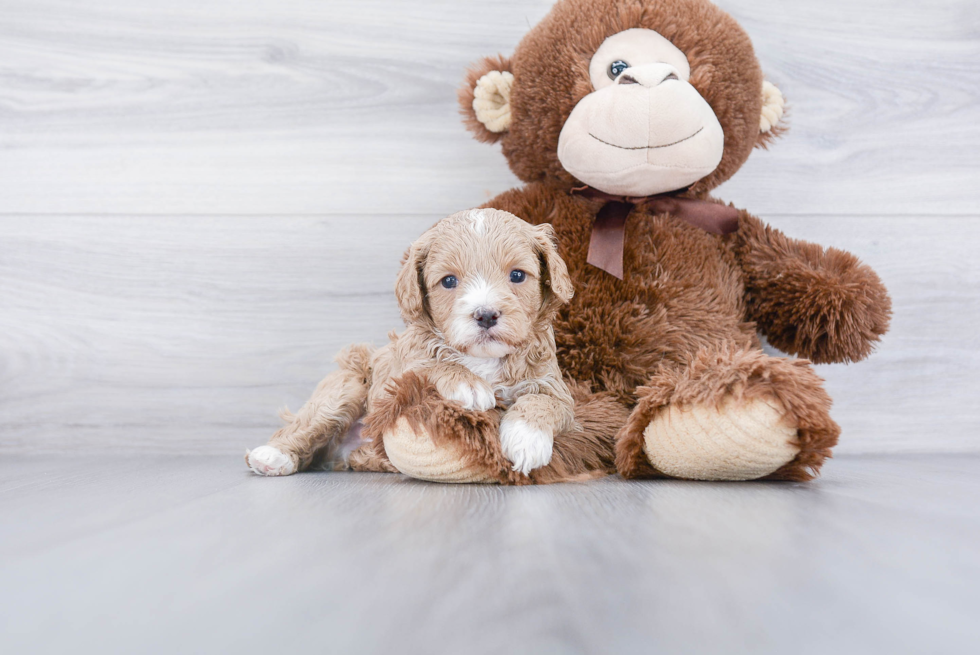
(449, 282)
(517, 276)
(616, 68)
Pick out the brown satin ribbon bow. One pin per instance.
(609, 228)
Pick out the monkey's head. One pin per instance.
(632, 97)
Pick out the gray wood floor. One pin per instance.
(192, 554)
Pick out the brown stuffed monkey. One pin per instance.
(621, 116)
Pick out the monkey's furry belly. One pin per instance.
(682, 291)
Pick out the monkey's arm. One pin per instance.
(822, 304)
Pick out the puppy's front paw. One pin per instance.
(525, 445)
(269, 460)
(479, 397)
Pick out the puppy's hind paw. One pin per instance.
(480, 398)
(269, 460)
(525, 445)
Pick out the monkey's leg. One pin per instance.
(730, 414)
(322, 423)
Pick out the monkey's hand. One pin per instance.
(822, 304)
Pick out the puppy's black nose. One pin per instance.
(486, 318)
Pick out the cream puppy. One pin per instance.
(477, 292)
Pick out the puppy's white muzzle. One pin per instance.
(479, 322)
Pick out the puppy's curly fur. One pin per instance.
(478, 292)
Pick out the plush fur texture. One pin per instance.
(822, 304)
(584, 450)
(727, 372)
(681, 327)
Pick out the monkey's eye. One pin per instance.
(616, 68)
(449, 282)
(517, 276)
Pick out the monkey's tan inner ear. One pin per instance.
(491, 100)
(772, 107)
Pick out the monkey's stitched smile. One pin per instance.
(666, 145)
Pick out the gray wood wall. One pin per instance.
(201, 201)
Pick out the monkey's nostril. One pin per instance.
(626, 79)
(486, 318)
(672, 76)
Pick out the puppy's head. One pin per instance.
(485, 280)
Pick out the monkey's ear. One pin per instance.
(410, 284)
(558, 288)
(771, 124)
(484, 98)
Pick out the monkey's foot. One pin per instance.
(731, 414)
(414, 453)
(735, 440)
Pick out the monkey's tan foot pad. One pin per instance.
(741, 439)
(414, 453)
(430, 438)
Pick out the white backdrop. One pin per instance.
(201, 202)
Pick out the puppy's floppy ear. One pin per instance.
(484, 98)
(558, 289)
(771, 122)
(410, 284)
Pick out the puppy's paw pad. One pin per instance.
(269, 460)
(473, 397)
(525, 445)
